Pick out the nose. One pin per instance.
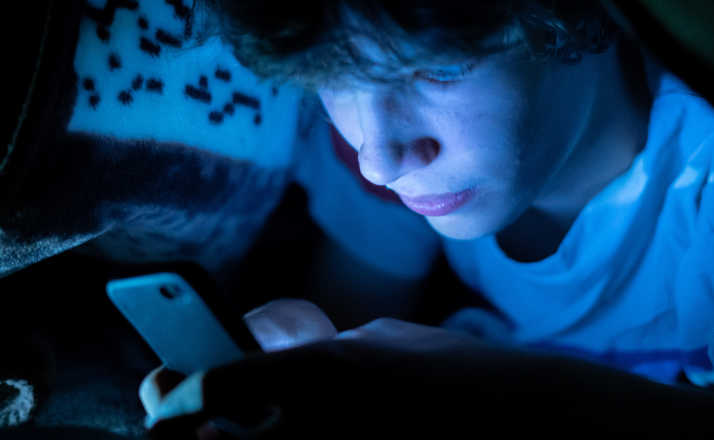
(395, 143)
(388, 160)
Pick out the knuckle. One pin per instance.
(383, 323)
(146, 387)
(355, 333)
(149, 393)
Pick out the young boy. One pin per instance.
(569, 176)
(556, 163)
(494, 123)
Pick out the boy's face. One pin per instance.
(471, 152)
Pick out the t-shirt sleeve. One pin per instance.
(370, 222)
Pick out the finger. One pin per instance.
(157, 384)
(288, 323)
(185, 399)
(149, 394)
(385, 329)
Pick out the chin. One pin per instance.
(463, 227)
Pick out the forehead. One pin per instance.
(399, 56)
(381, 51)
(385, 68)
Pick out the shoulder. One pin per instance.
(681, 137)
(681, 117)
(685, 122)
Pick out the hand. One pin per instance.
(280, 324)
(391, 377)
(382, 372)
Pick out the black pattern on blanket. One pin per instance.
(141, 145)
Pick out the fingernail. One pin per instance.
(149, 421)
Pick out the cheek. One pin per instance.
(517, 123)
(344, 116)
(487, 135)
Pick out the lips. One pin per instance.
(438, 204)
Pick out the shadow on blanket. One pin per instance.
(62, 336)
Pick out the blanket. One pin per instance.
(136, 144)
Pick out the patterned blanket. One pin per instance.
(143, 144)
(136, 144)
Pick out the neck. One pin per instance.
(615, 135)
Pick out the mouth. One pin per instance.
(438, 204)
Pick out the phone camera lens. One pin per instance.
(169, 292)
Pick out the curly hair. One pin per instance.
(312, 42)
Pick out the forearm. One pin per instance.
(559, 393)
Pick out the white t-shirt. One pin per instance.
(632, 283)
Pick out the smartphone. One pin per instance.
(189, 332)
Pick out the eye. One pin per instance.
(444, 75)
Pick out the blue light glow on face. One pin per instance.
(504, 127)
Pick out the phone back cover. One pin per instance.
(182, 330)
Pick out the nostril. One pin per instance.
(424, 149)
(382, 163)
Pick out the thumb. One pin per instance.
(288, 323)
(156, 385)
